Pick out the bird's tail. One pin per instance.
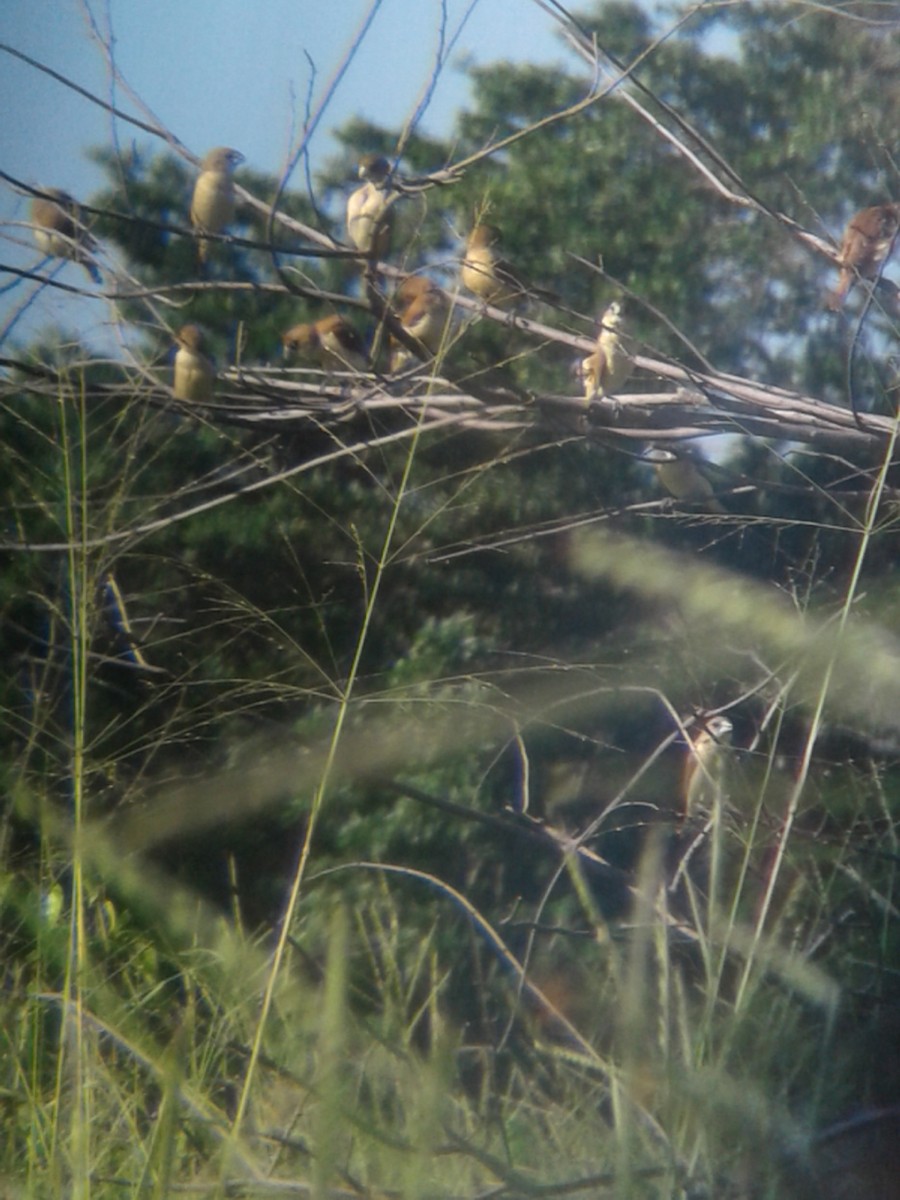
(834, 301)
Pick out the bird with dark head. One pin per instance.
(374, 168)
(682, 477)
(331, 343)
(212, 204)
(867, 243)
(370, 214)
(59, 230)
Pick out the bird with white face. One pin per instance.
(610, 365)
(370, 213)
(331, 343)
(702, 780)
(213, 201)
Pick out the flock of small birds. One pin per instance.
(422, 310)
(847, 1159)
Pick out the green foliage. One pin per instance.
(355, 854)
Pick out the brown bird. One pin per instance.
(212, 205)
(425, 317)
(868, 241)
(701, 780)
(332, 343)
(410, 288)
(610, 365)
(682, 478)
(59, 230)
(488, 275)
(195, 375)
(370, 214)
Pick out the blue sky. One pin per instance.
(230, 72)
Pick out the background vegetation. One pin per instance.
(349, 861)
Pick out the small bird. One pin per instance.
(867, 243)
(212, 205)
(701, 779)
(425, 317)
(410, 288)
(610, 365)
(331, 342)
(58, 229)
(489, 276)
(370, 214)
(195, 375)
(682, 478)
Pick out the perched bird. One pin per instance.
(410, 288)
(58, 229)
(610, 365)
(370, 215)
(487, 274)
(701, 779)
(331, 342)
(682, 478)
(212, 205)
(195, 375)
(424, 317)
(868, 240)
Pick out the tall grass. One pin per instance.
(389, 1036)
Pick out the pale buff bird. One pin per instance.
(195, 375)
(331, 342)
(485, 272)
(424, 317)
(682, 478)
(212, 204)
(370, 214)
(868, 240)
(702, 776)
(605, 370)
(58, 229)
